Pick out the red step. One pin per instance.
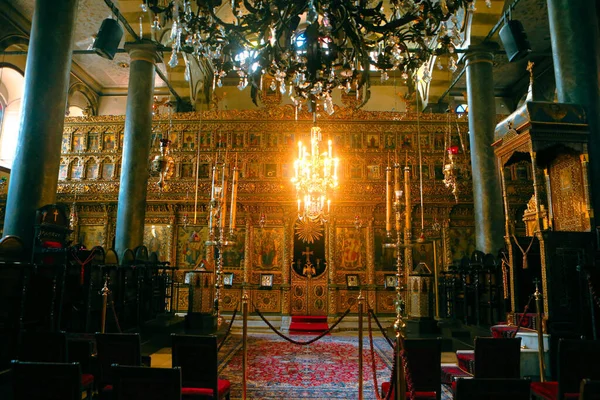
(308, 323)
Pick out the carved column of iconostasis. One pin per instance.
(331, 267)
(288, 245)
(370, 287)
(247, 251)
(444, 221)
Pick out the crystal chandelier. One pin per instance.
(308, 48)
(315, 178)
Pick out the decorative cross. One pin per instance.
(55, 214)
(307, 253)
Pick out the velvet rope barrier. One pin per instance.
(228, 330)
(390, 341)
(295, 341)
(82, 264)
(374, 368)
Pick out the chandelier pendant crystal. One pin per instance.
(315, 178)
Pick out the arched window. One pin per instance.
(11, 93)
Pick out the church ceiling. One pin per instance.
(112, 76)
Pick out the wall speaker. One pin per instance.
(108, 39)
(514, 40)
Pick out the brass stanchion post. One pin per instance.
(538, 306)
(244, 344)
(360, 344)
(104, 292)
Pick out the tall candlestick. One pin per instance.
(388, 200)
(397, 190)
(223, 197)
(234, 188)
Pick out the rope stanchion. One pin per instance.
(388, 395)
(228, 330)
(244, 345)
(281, 335)
(361, 305)
(519, 324)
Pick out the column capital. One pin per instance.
(145, 50)
(483, 52)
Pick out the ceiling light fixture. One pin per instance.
(306, 49)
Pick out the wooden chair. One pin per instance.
(589, 390)
(577, 360)
(46, 381)
(492, 389)
(115, 348)
(497, 358)
(197, 357)
(142, 383)
(80, 351)
(424, 363)
(49, 347)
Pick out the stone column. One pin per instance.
(34, 174)
(487, 196)
(136, 147)
(576, 56)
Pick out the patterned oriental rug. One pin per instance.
(326, 369)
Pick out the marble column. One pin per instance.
(487, 196)
(34, 174)
(576, 55)
(136, 149)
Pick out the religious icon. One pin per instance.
(77, 170)
(390, 141)
(228, 279)
(355, 171)
(424, 141)
(92, 171)
(191, 241)
(407, 141)
(351, 249)
(271, 170)
(187, 170)
(254, 139)
(77, 142)
(64, 147)
(373, 172)
(352, 281)
(438, 141)
(108, 170)
(174, 138)
(266, 281)
(372, 141)
(356, 142)
(109, 141)
(438, 172)
(188, 141)
(203, 171)
(93, 143)
(63, 171)
(205, 140)
(289, 139)
(253, 170)
(237, 141)
(390, 281)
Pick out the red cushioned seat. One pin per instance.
(385, 386)
(452, 372)
(466, 360)
(224, 386)
(87, 379)
(549, 391)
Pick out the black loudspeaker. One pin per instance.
(514, 40)
(108, 39)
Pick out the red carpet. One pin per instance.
(326, 369)
(308, 324)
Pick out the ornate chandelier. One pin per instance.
(315, 178)
(307, 48)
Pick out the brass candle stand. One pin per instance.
(218, 235)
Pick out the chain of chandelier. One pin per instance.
(308, 48)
